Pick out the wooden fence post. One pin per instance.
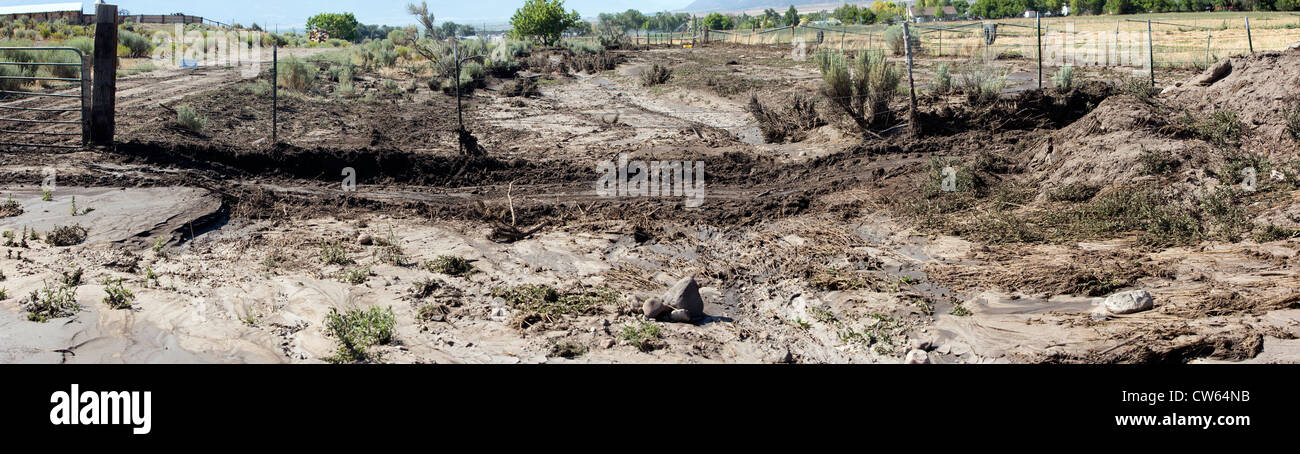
(911, 82)
(1038, 27)
(275, 92)
(104, 95)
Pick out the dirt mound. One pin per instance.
(1108, 146)
(1263, 89)
(1243, 104)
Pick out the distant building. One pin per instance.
(49, 12)
(931, 14)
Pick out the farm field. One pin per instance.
(992, 232)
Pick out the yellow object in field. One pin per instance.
(687, 46)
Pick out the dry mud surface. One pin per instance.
(809, 252)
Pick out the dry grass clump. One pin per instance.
(296, 74)
(656, 74)
(66, 235)
(791, 122)
(595, 62)
(540, 304)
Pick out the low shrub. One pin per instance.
(190, 119)
(656, 74)
(1064, 78)
(117, 297)
(357, 331)
(51, 302)
(66, 235)
(296, 74)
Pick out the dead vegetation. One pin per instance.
(790, 122)
(789, 249)
(656, 74)
(543, 304)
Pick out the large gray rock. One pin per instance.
(653, 307)
(686, 295)
(1129, 302)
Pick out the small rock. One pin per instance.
(653, 308)
(685, 295)
(1129, 302)
(786, 358)
(917, 357)
(680, 316)
(922, 344)
(365, 240)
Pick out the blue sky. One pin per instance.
(294, 13)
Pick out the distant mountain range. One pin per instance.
(732, 5)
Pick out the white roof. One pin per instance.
(43, 8)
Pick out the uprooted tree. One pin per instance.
(862, 89)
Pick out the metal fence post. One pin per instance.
(1249, 40)
(1207, 47)
(1151, 54)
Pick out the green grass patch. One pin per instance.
(358, 331)
(642, 335)
(450, 265)
(118, 297)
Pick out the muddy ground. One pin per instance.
(835, 248)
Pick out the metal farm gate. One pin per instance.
(24, 121)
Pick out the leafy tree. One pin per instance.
(543, 21)
(1118, 7)
(666, 21)
(886, 11)
(365, 31)
(624, 21)
(962, 7)
(791, 16)
(338, 25)
(717, 21)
